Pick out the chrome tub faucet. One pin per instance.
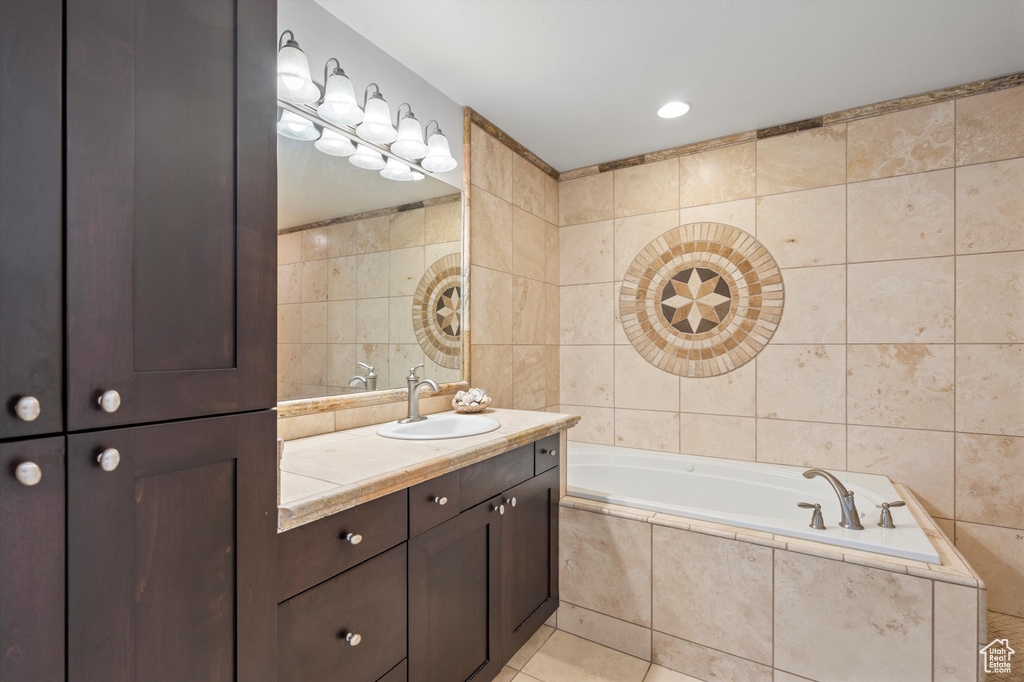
(851, 518)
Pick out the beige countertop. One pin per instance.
(322, 475)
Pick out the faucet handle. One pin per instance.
(817, 522)
(885, 520)
(886, 505)
(370, 369)
(808, 505)
(412, 373)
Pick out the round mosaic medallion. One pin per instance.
(701, 299)
(437, 311)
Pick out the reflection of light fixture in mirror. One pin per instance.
(339, 105)
(296, 127)
(367, 158)
(439, 157)
(293, 80)
(396, 170)
(376, 126)
(416, 175)
(409, 144)
(335, 144)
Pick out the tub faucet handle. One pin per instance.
(885, 521)
(817, 522)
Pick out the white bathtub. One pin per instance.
(750, 495)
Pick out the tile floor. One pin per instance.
(556, 656)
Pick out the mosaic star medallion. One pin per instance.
(437, 311)
(701, 300)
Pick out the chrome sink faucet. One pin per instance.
(369, 381)
(414, 383)
(851, 518)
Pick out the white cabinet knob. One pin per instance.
(27, 409)
(441, 501)
(109, 459)
(499, 508)
(28, 473)
(110, 401)
(353, 639)
(511, 501)
(355, 539)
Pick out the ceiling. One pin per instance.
(579, 81)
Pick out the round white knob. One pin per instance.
(355, 539)
(27, 409)
(553, 452)
(28, 473)
(110, 401)
(353, 639)
(441, 501)
(109, 459)
(500, 509)
(511, 501)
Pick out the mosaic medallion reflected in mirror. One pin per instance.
(701, 300)
(437, 311)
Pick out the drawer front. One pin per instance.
(490, 477)
(546, 454)
(433, 502)
(369, 601)
(400, 673)
(310, 554)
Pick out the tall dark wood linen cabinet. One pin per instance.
(137, 332)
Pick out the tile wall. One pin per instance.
(901, 346)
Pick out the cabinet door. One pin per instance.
(171, 566)
(529, 558)
(31, 316)
(171, 208)
(455, 598)
(32, 562)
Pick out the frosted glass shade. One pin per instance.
(293, 80)
(335, 144)
(367, 158)
(396, 170)
(376, 126)
(439, 158)
(339, 105)
(296, 127)
(409, 144)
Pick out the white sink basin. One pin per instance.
(440, 426)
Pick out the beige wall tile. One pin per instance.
(289, 362)
(289, 248)
(921, 459)
(551, 371)
(739, 213)
(712, 435)
(528, 311)
(990, 389)
(491, 304)
(647, 188)
(314, 244)
(586, 313)
(529, 238)
(704, 663)
(647, 430)
(313, 322)
(801, 382)
(372, 235)
(490, 163)
(605, 630)
(641, 385)
(717, 175)
(400, 358)
(289, 283)
(805, 444)
(551, 253)
(341, 364)
(956, 631)
(372, 320)
(585, 253)
(881, 612)
(585, 200)
(909, 141)
(551, 192)
(405, 270)
(731, 394)
(552, 314)
(990, 207)
(407, 228)
(988, 479)
(802, 160)
(373, 276)
(443, 223)
(990, 127)
(903, 217)
(491, 225)
(713, 591)
(314, 281)
(341, 278)
(567, 658)
(815, 306)
(400, 320)
(289, 323)
(597, 424)
(909, 301)
(605, 564)
(990, 298)
(529, 189)
(528, 377)
(804, 228)
(632, 235)
(584, 375)
(998, 556)
(492, 371)
(900, 385)
(313, 363)
(343, 239)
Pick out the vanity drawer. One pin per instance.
(546, 454)
(310, 554)
(490, 477)
(368, 601)
(433, 502)
(400, 673)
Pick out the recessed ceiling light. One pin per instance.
(674, 109)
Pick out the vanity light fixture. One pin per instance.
(409, 144)
(296, 127)
(335, 144)
(293, 80)
(367, 158)
(439, 157)
(376, 126)
(339, 104)
(416, 175)
(396, 170)
(674, 109)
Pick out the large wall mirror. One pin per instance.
(369, 259)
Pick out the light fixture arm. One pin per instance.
(291, 40)
(337, 69)
(398, 114)
(376, 93)
(426, 128)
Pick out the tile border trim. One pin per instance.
(507, 140)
